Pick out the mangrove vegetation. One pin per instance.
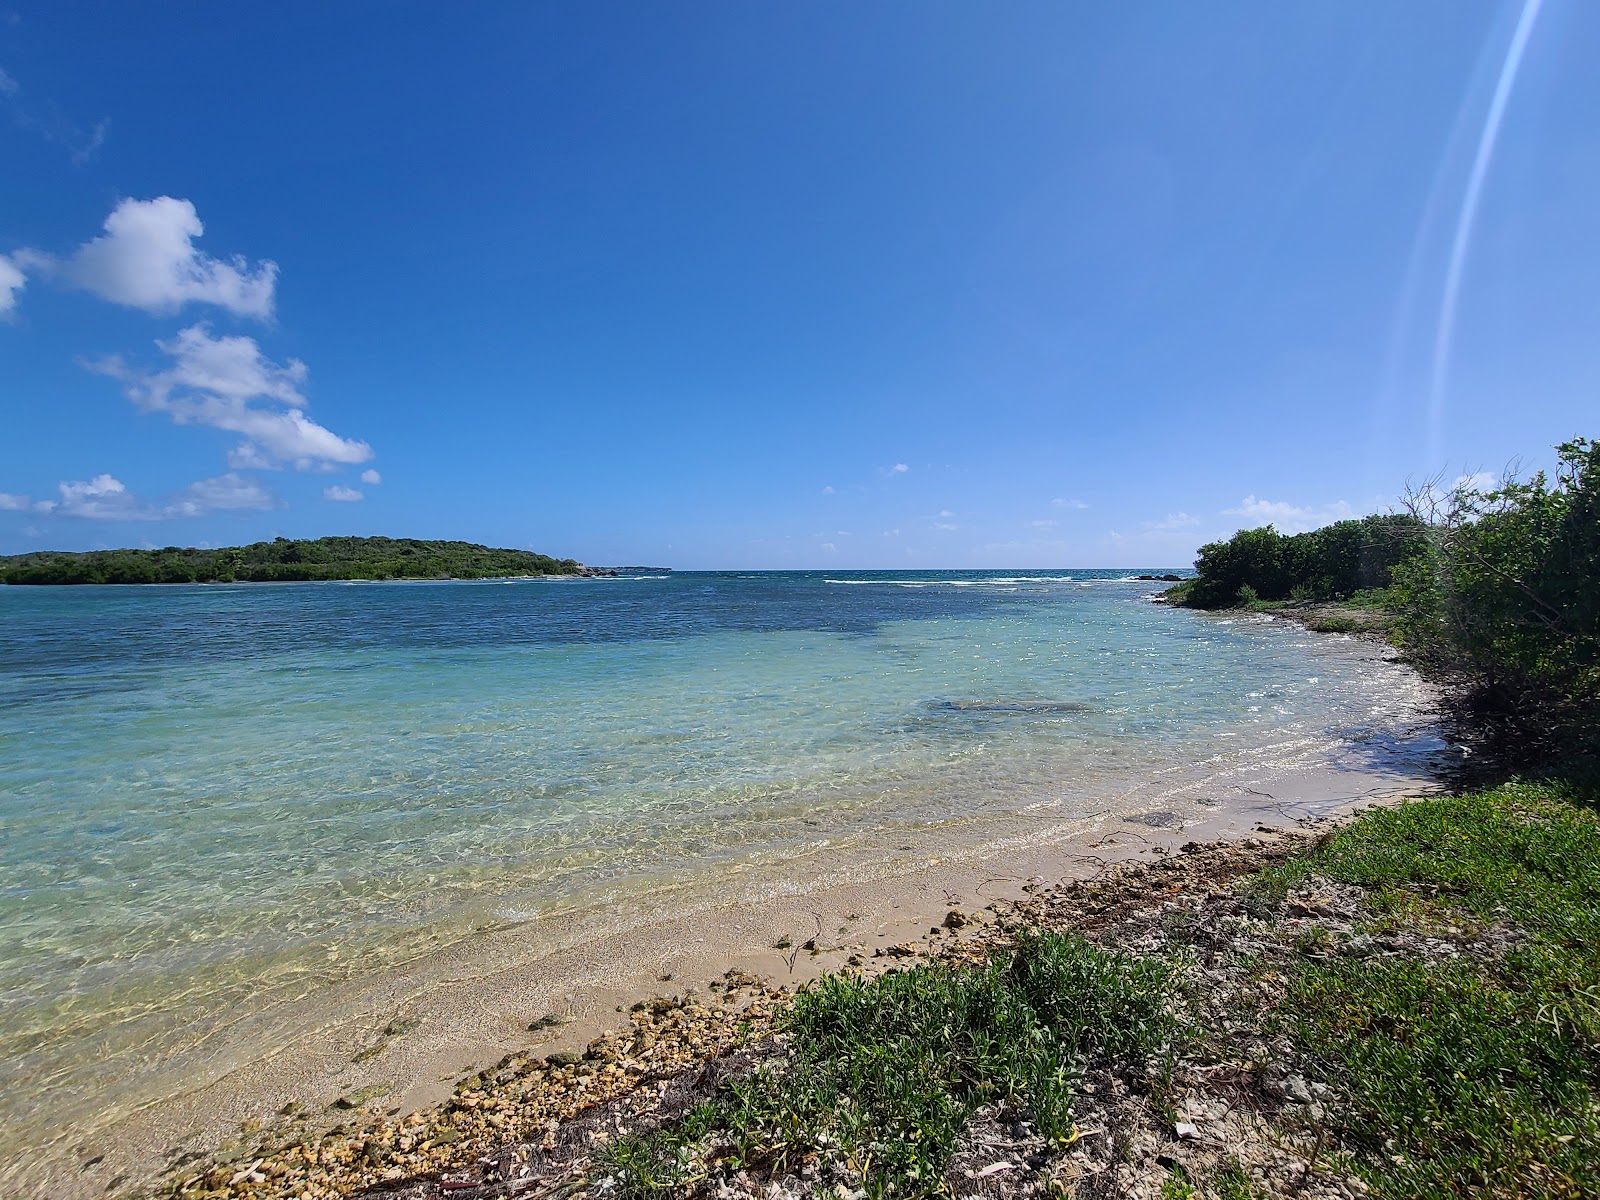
(284, 560)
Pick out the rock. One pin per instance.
(955, 919)
(1359, 946)
(1296, 1091)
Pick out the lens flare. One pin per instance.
(1459, 246)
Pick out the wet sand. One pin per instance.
(400, 1041)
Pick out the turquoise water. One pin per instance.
(214, 797)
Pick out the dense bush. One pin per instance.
(284, 559)
(1331, 563)
(1503, 607)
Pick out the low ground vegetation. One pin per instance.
(1410, 1009)
(1404, 1006)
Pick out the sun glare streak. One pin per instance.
(1445, 333)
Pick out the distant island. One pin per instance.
(286, 560)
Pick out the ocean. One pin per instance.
(219, 799)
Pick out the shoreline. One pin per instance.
(399, 1046)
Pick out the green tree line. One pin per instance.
(1331, 563)
(1495, 594)
(283, 560)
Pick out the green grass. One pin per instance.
(1478, 1075)
(885, 1073)
(1473, 1075)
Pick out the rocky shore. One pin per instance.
(533, 1125)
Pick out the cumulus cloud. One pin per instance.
(107, 498)
(11, 502)
(12, 281)
(1289, 518)
(345, 495)
(147, 259)
(104, 498)
(828, 490)
(898, 469)
(227, 383)
(369, 476)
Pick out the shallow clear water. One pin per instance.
(214, 797)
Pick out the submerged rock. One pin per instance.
(1030, 707)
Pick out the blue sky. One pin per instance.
(752, 285)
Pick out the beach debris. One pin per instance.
(956, 919)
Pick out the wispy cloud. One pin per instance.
(12, 281)
(1289, 518)
(827, 490)
(147, 259)
(50, 123)
(897, 469)
(226, 383)
(1043, 524)
(1062, 502)
(1478, 481)
(344, 495)
(1173, 522)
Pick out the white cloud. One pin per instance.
(346, 495)
(12, 281)
(1042, 524)
(1289, 518)
(11, 502)
(147, 259)
(1174, 521)
(102, 498)
(829, 547)
(215, 381)
(106, 498)
(945, 512)
(1480, 481)
(944, 525)
(247, 456)
(369, 476)
(1061, 502)
(828, 490)
(898, 469)
(8, 84)
(224, 493)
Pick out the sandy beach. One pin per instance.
(400, 1043)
